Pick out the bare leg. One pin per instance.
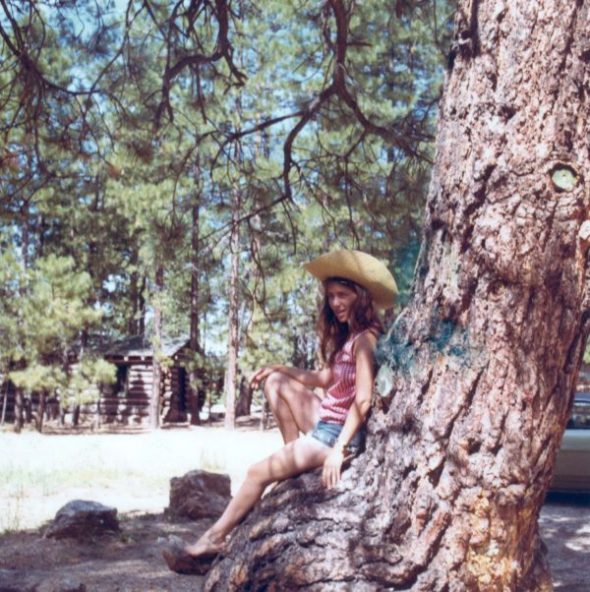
(295, 407)
(296, 457)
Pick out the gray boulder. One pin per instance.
(80, 518)
(199, 494)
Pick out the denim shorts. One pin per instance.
(327, 433)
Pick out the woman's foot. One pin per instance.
(206, 546)
(196, 561)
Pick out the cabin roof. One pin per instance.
(139, 346)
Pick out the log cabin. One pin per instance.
(126, 402)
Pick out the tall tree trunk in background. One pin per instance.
(232, 355)
(19, 402)
(140, 309)
(478, 371)
(244, 402)
(155, 402)
(76, 415)
(136, 325)
(25, 235)
(18, 410)
(193, 398)
(4, 402)
(41, 411)
(245, 391)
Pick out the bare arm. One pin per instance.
(365, 376)
(311, 378)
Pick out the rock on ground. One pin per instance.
(199, 494)
(80, 518)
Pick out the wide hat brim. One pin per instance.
(359, 267)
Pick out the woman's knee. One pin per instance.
(258, 475)
(273, 383)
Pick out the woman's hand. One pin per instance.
(261, 374)
(332, 467)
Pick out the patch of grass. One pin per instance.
(22, 488)
(50, 481)
(11, 516)
(39, 473)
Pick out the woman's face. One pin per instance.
(340, 300)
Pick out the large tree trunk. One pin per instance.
(479, 369)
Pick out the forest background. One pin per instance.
(166, 167)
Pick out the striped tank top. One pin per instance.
(340, 395)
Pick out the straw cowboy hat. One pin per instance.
(359, 267)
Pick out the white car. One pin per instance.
(572, 467)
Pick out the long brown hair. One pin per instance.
(333, 334)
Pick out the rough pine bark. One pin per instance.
(478, 370)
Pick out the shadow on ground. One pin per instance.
(565, 528)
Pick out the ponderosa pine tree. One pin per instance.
(49, 310)
(478, 371)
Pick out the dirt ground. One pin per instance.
(131, 561)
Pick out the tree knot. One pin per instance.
(564, 177)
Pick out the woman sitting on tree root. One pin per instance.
(355, 285)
